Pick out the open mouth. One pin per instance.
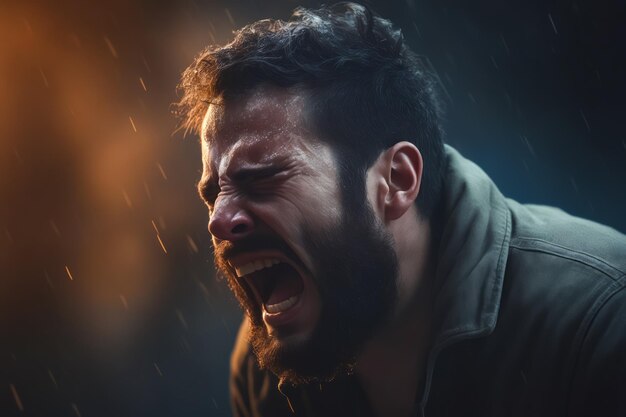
(276, 284)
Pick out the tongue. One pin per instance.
(288, 283)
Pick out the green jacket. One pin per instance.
(530, 318)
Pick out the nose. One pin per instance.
(230, 221)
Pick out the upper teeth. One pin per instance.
(255, 266)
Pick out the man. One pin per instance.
(382, 273)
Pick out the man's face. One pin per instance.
(314, 280)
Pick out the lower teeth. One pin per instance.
(282, 306)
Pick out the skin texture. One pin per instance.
(272, 190)
(263, 133)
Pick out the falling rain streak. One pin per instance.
(69, 274)
(161, 243)
(16, 397)
(129, 203)
(182, 320)
(162, 171)
(52, 378)
(556, 32)
(147, 190)
(192, 244)
(132, 123)
(585, 120)
(55, 228)
(109, 45)
(230, 17)
(45, 79)
(154, 226)
(158, 235)
(124, 301)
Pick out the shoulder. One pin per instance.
(565, 288)
(552, 232)
(566, 267)
(562, 258)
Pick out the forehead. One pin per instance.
(265, 119)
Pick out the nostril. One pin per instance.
(229, 224)
(239, 229)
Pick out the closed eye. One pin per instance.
(247, 175)
(243, 177)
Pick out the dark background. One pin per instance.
(108, 304)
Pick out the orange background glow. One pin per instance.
(100, 225)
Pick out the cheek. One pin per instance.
(291, 211)
(322, 200)
(313, 201)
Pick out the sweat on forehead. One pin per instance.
(266, 109)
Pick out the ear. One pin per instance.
(399, 176)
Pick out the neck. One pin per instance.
(390, 366)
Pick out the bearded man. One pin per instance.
(381, 273)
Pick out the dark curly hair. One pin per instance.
(365, 89)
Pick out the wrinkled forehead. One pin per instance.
(265, 113)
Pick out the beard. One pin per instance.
(355, 270)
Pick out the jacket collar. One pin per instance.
(472, 253)
(471, 259)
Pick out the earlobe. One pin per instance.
(404, 176)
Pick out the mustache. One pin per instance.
(227, 249)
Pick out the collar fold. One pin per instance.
(473, 248)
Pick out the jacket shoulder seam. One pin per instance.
(540, 245)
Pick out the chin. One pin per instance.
(292, 357)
